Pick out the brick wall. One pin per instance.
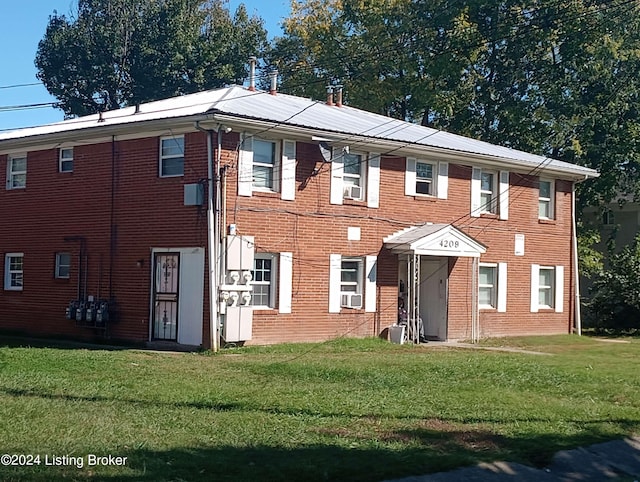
(122, 216)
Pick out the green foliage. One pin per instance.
(552, 77)
(615, 294)
(591, 258)
(114, 53)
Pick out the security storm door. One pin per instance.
(165, 302)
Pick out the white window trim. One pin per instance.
(433, 182)
(163, 158)
(557, 290)
(494, 287)
(59, 265)
(499, 198)
(8, 272)
(484, 208)
(366, 284)
(550, 200)
(11, 173)
(272, 284)
(65, 160)
(285, 277)
(284, 168)
(361, 176)
(440, 180)
(275, 167)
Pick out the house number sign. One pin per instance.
(449, 243)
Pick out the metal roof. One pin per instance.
(343, 124)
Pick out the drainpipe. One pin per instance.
(576, 275)
(212, 238)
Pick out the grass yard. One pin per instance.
(360, 410)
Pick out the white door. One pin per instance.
(185, 324)
(434, 277)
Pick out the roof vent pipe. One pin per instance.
(274, 82)
(339, 95)
(100, 118)
(329, 95)
(252, 73)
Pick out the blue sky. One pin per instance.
(22, 25)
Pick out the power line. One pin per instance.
(14, 86)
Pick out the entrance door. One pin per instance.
(434, 277)
(165, 296)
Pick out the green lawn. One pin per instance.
(343, 410)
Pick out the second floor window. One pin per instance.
(264, 164)
(424, 178)
(65, 162)
(171, 156)
(488, 192)
(17, 172)
(353, 185)
(545, 200)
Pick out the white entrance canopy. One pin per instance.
(434, 240)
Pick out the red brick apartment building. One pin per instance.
(276, 219)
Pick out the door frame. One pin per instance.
(191, 289)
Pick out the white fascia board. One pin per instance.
(100, 133)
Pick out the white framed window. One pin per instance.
(353, 176)
(546, 277)
(351, 281)
(488, 192)
(545, 199)
(65, 159)
(492, 286)
(63, 265)
(488, 286)
(17, 172)
(547, 288)
(265, 165)
(264, 281)
(13, 271)
(172, 156)
(424, 178)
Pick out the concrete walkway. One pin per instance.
(619, 459)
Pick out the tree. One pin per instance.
(114, 53)
(554, 77)
(615, 293)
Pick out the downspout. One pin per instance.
(212, 237)
(576, 275)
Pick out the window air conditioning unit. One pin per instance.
(353, 192)
(351, 300)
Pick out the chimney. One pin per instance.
(252, 73)
(338, 95)
(274, 82)
(329, 95)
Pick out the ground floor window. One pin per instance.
(264, 279)
(13, 271)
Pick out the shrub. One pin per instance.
(615, 293)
